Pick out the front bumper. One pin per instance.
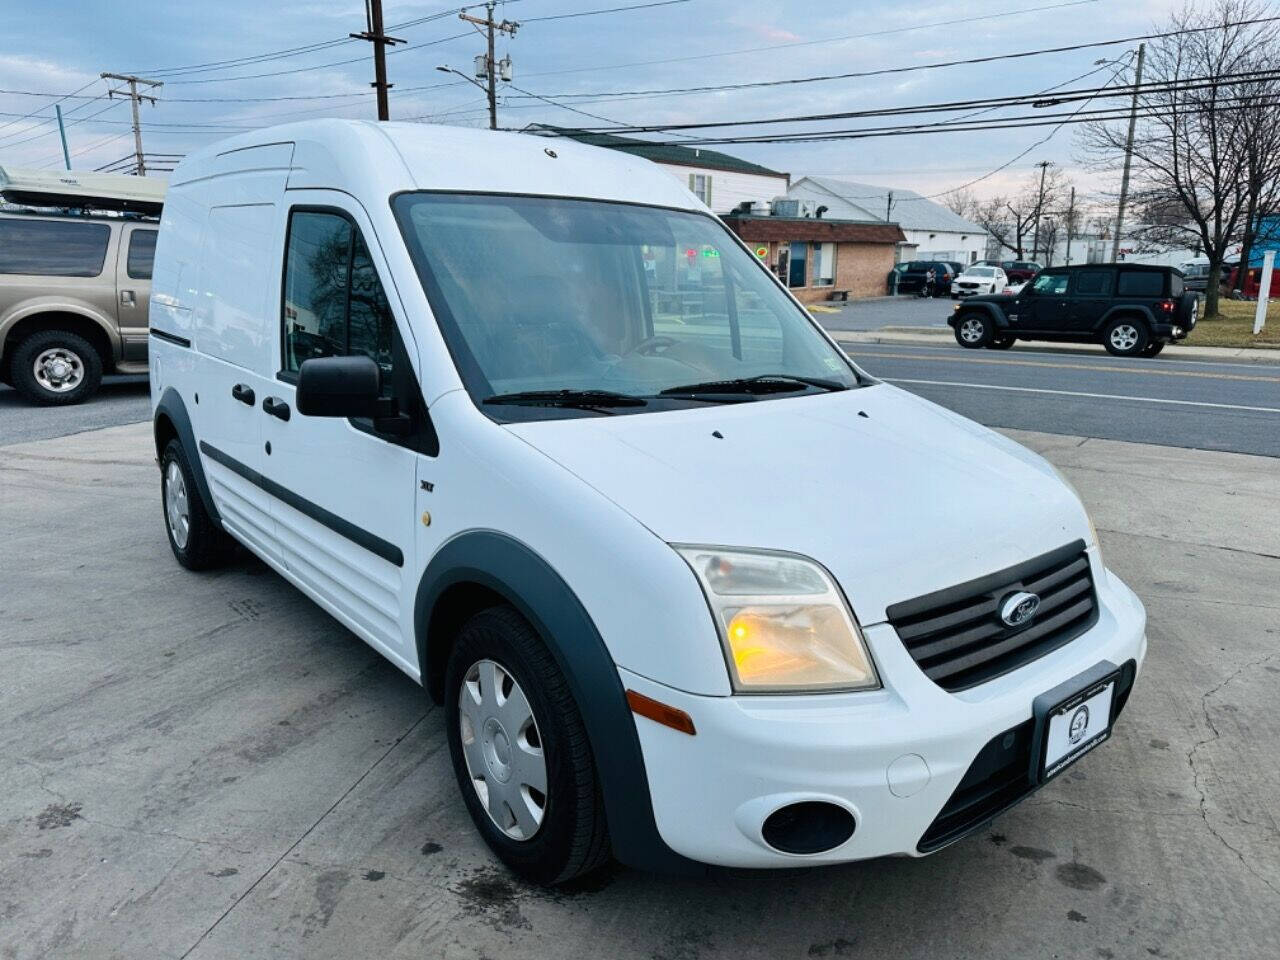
(892, 758)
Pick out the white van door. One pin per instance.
(344, 494)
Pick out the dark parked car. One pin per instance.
(1131, 310)
(912, 274)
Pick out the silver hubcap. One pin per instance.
(175, 505)
(58, 370)
(1124, 337)
(503, 749)
(971, 330)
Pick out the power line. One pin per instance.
(885, 71)
(592, 13)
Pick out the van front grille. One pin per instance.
(957, 635)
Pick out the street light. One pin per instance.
(445, 68)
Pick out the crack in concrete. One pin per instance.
(306, 833)
(1195, 772)
(1191, 543)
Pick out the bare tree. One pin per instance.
(1012, 220)
(1189, 160)
(1259, 133)
(963, 203)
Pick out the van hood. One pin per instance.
(896, 496)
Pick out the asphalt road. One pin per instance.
(207, 766)
(1180, 403)
(121, 400)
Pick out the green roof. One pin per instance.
(657, 152)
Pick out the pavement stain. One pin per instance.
(1076, 916)
(431, 847)
(1079, 876)
(224, 872)
(59, 815)
(490, 895)
(374, 875)
(839, 947)
(1033, 853)
(329, 887)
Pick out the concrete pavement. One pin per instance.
(208, 766)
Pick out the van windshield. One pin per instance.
(543, 296)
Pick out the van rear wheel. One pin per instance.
(56, 368)
(520, 751)
(198, 543)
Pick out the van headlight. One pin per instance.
(783, 622)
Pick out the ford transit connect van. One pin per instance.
(691, 587)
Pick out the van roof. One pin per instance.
(91, 191)
(374, 160)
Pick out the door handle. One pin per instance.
(244, 393)
(127, 298)
(276, 407)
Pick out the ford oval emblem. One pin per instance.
(1019, 608)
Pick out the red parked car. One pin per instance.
(1253, 281)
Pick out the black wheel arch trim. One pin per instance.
(524, 579)
(990, 309)
(1134, 310)
(172, 407)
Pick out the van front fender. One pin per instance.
(511, 570)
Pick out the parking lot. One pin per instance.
(209, 766)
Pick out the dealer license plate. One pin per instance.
(1076, 726)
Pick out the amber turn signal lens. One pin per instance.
(660, 713)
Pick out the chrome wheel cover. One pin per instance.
(58, 370)
(502, 748)
(972, 330)
(1124, 336)
(176, 509)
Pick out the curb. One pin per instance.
(934, 337)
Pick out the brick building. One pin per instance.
(815, 257)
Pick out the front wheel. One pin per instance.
(1125, 337)
(973, 330)
(520, 751)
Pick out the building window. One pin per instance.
(700, 184)
(796, 275)
(824, 264)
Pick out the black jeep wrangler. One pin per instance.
(1131, 309)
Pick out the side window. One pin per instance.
(334, 304)
(1140, 284)
(1050, 284)
(49, 248)
(700, 184)
(142, 254)
(1093, 283)
(824, 264)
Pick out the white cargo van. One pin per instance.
(693, 589)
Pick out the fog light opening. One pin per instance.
(812, 826)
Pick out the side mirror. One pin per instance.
(340, 387)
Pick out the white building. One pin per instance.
(719, 180)
(933, 232)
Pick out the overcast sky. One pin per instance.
(57, 47)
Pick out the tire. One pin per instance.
(1126, 337)
(56, 368)
(1001, 343)
(973, 330)
(198, 543)
(1153, 348)
(565, 836)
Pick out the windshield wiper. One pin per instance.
(578, 399)
(761, 384)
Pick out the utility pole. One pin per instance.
(140, 165)
(506, 26)
(1044, 166)
(62, 132)
(375, 35)
(888, 208)
(1128, 153)
(1071, 222)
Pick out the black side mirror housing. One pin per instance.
(340, 387)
